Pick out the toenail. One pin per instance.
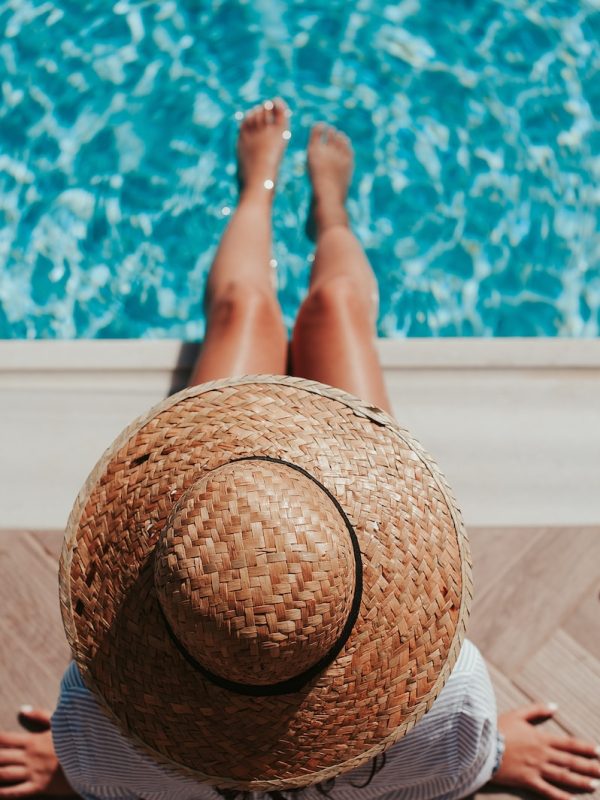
(26, 709)
(286, 135)
(268, 184)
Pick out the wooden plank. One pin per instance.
(509, 696)
(563, 671)
(26, 678)
(512, 620)
(51, 541)
(34, 651)
(583, 622)
(495, 551)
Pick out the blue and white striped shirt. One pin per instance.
(450, 753)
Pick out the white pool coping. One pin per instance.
(514, 423)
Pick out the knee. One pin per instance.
(335, 298)
(239, 303)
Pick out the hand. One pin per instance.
(536, 760)
(28, 763)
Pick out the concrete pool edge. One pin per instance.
(514, 423)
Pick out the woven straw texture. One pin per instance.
(251, 563)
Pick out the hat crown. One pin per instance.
(255, 572)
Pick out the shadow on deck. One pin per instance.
(536, 620)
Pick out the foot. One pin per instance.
(536, 760)
(263, 137)
(330, 164)
(28, 763)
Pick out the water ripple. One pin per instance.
(475, 123)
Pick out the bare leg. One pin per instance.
(245, 333)
(334, 336)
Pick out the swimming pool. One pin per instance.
(477, 137)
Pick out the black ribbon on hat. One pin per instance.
(298, 682)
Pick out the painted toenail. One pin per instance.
(268, 184)
(268, 105)
(286, 135)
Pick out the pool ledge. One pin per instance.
(514, 423)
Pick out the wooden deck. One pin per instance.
(536, 619)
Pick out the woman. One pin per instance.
(459, 745)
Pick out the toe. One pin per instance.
(248, 121)
(316, 134)
(268, 112)
(254, 115)
(338, 138)
(281, 112)
(263, 116)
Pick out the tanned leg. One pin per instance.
(245, 333)
(334, 336)
(334, 342)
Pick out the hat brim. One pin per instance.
(416, 585)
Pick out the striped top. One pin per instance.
(450, 753)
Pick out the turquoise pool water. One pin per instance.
(477, 137)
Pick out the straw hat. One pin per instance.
(265, 582)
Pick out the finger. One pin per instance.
(548, 790)
(8, 756)
(37, 714)
(585, 766)
(35, 720)
(573, 745)
(568, 778)
(18, 772)
(20, 790)
(537, 711)
(10, 739)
